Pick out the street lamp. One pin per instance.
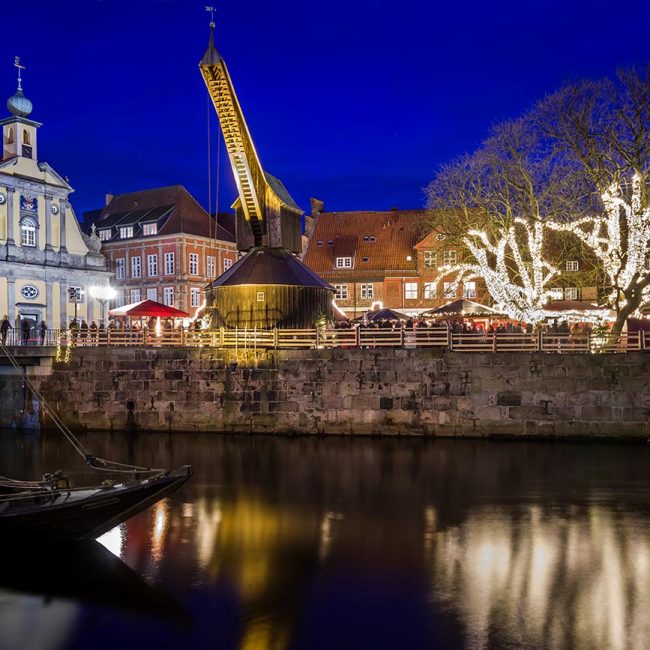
(104, 294)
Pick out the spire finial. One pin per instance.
(211, 10)
(18, 104)
(20, 67)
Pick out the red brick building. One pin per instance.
(162, 245)
(392, 258)
(382, 257)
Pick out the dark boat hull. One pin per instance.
(75, 515)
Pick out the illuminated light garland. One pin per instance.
(624, 262)
(522, 296)
(60, 354)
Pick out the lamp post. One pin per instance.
(104, 294)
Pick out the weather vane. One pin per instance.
(20, 67)
(211, 10)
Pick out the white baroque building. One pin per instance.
(47, 265)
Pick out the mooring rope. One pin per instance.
(99, 464)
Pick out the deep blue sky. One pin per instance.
(356, 102)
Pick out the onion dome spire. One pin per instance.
(18, 104)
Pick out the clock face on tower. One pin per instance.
(27, 151)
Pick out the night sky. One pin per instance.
(354, 102)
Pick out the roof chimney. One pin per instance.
(317, 206)
(109, 198)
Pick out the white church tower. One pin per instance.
(44, 257)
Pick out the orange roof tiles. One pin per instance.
(378, 241)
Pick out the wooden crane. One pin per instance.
(266, 213)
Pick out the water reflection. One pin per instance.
(549, 577)
(286, 544)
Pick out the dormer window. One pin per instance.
(149, 229)
(126, 232)
(343, 262)
(104, 235)
(430, 259)
(28, 232)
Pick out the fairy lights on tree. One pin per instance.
(512, 264)
(620, 239)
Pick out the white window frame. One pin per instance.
(120, 268)
(367, 291)
(410, 291)
(126, 232)
(469, 289)
(149, 229)
(152, 294)
(170, 264)
(556, 294)
(135, 295)
(168, 296)
(343, 262)
(341, 291)
(28, 232)
(261, 297)
(449, 258)
(195, 296)
(431, 259)
(193, 263)
(227, 263)
(429, 290)
(152, 265)
(571, 293)
(105, 234)
(136, 266)
(211, 264)
(446, 290)
(572, 265)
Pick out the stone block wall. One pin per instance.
(420, 392)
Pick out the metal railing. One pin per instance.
(369, 338)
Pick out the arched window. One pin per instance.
(26, 136)
(28, 232)
(10, 135)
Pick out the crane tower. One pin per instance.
(269, 286)
(266, 213)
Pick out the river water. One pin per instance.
(303, 543)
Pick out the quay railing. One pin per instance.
(369, 338)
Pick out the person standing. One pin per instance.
(42, 330)
(25, 329)
(4, 328)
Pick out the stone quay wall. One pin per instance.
(393, 392)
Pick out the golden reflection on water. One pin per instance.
(544, 578)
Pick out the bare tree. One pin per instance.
(602, 129)
(497, 203)
(577, 164)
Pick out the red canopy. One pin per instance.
(148, 308)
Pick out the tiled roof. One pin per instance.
(380, 241)
(263, 266)
(173, 207)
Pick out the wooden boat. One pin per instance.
(53, 510)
